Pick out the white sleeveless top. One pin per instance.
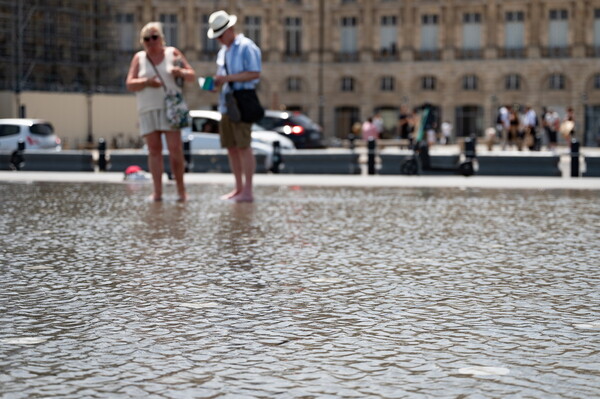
(152, 98)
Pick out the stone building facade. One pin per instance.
(340, 61)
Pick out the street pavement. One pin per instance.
(363, 180)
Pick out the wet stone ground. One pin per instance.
(307, 293)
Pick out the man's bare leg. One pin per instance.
(235, 163)
(248, 163)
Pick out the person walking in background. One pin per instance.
(529, 127)
(153, 70)
(378, 122)
(503, 125)
(513, 128)
(238, 67)
(369, 129)
(567, 127)
(446, 132)
(432, 134)
(405, 125)
(552, 126)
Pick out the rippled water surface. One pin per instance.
(309, 292)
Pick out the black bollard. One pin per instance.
(371, 155)
(467, 168)
(17, 161)
(470, 145)
(102, 155)
(574, 158)
(352, 139)
(187, 155)
(275, 165)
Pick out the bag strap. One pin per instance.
(227, 70)
(156, 70)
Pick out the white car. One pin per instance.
(204, 135)
(36, 134)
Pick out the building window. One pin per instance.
(470, 82)
(349, 35)
(126, 31)
(597, 28)
(558, 29)
(387, 83)
(428, 83)
(472, 31)
(209, 46)
(388, 34)
(512, 82)
(169, 22)
(597, 81)
(252, 28)
(347, 84)
(294, 84)
(293, 36)
(429, 32)
(514, 30)
(557, 81)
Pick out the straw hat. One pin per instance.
(219, 22)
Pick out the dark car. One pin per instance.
(296, 126)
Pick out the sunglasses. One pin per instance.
(153, 37)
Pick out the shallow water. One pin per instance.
(309, 292)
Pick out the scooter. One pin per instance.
(420, 160)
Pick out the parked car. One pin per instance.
(36, 134)
(303, 131)
(204, 135)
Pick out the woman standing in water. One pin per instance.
(150, 70)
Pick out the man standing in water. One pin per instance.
(238, 67)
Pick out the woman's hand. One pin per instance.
(179, 72)
(153, 82)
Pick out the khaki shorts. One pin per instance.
(234, 134)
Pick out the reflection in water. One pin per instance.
(238, 237)
(315, 292)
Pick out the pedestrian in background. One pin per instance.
(405, 125)
(567, 127)
(552, 126)
(378, 122)
(369, 130)
(239, 66)
(530, 122)
(513, 128)
(446, 132)
(151, 71)
(503, 125)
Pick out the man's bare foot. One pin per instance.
(229, 195)
(182, 198)
(243, 198)
(154, 198)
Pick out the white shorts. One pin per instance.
(152, 121)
